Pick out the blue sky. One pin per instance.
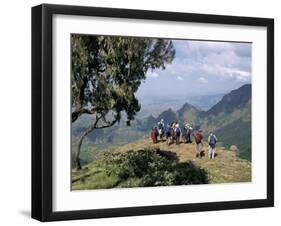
(200, 68)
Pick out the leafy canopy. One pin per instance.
(107, 71)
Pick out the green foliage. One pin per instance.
(150, 168)
(188, 173)
(108, 70)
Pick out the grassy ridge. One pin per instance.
(159, 165)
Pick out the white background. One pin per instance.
(15, 112)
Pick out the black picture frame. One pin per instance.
(42, 111)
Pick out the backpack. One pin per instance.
(160, 126)
(198, 138)
(178, 131)
(213, 141)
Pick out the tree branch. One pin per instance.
(108, 125)
(76, 114)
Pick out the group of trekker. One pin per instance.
(172, 133)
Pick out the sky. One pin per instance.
(200, 68)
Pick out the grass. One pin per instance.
(143, 168)
(98, 180)
(169, 165)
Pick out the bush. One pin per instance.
(151, 168)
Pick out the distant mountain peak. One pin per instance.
(236, 98)
(187, 107)
(168, 115)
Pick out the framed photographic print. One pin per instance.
(146, 112)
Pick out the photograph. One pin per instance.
(144, 112)
(152, 111)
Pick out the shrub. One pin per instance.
(151, 168)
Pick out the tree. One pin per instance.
(106, 73)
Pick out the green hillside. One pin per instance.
(143, 164)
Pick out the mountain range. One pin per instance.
(229, 118)
(151, 105)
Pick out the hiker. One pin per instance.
(212, 140)
(184, 133)
(199, 144)
(161, 129)
(154, 135)
(173, 129)
(168, 134)
(188, 133)
(177, 133)
(157, 133)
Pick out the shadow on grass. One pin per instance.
(143, 168)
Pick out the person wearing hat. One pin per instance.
(161, 129)
(177, 133)
(188, 129)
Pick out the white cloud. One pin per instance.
(152, 74)
(235, 73)
(203, 80)
(179, 78)
(224, 60)
(216, 66)
(226, 72)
